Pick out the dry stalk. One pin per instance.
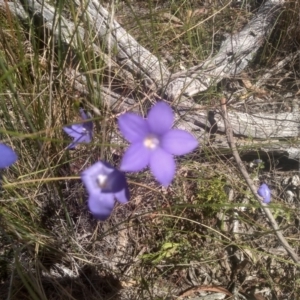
(264, 207)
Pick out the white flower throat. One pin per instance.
(102, 181)
(151, 142)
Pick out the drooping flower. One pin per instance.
(265, 193)
(154, 142)
(82, 133)
(7, 156)
(257, 161)
(104, 183)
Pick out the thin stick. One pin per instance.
(231, 142)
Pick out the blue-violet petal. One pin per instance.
(136, 158)
(162, 166)
(101, 205)
(160, 118)
(74, 131)
(123, 195)
(83, 115)
(7, 156)
(88, 125)
(178, 142)
(265, 193)
(133, 127)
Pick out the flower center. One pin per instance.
(102, 181)
(151, 142)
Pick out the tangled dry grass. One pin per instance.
(205, 235)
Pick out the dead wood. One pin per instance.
(274, 134)
(232, 58)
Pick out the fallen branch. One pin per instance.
(231, 142)
(233, 57)
(132, 61)
(269, 134)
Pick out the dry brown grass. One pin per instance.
(205, 229)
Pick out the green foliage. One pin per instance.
(166, 251)
(211, 192)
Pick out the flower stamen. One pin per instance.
(151, 142)
(102, 181)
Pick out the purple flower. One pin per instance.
(7, 156)
(257, 161)
(82, 133)
(265, 193)
(104, 183)
(154, 143)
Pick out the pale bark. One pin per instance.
(232, 58)
(263, 132)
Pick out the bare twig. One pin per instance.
(231, 142)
